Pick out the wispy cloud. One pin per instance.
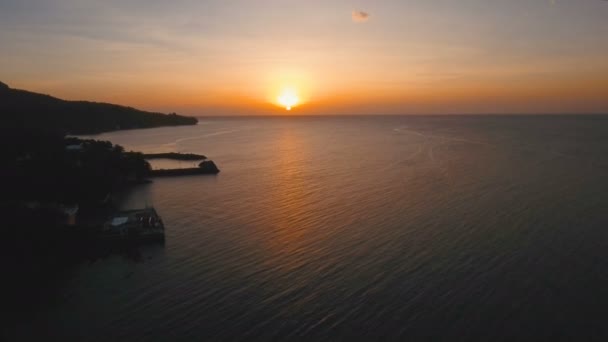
(360, 16)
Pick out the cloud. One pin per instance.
(360, 16)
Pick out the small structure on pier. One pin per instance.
(134, 225)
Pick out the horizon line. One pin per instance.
(393, 115)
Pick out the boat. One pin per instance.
(134, 225)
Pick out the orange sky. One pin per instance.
(363, 57)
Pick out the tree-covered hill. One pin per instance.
(24, 110)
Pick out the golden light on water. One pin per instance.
(288, 98)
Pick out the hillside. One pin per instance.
(24, 110)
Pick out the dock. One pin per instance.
(135, 226)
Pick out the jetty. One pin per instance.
(206, 167)
(175, 156)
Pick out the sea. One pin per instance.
(375, 227)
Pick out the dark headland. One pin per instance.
(56, 189)
(25, 110)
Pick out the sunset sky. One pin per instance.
(340, 57)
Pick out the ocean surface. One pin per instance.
(457, 227)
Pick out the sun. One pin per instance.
(288, 98)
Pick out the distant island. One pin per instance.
(21, 109)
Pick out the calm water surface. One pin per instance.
(460, 227)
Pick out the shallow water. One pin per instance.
(325, 227)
